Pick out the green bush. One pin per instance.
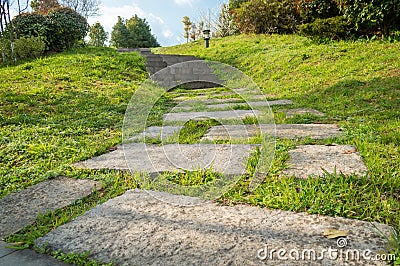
(30, 24)
(373, 16)
(5, 49)
(67, 28)
(61, 28)
(311, 10)
(267, 16)
(336, 28)
(29, 47)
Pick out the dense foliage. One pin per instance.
(61, 28)
(365, 18)
(132, 33)
(267, 16)
(98, 36)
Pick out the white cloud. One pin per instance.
(155, 18)
(184, 2)
(167, 33)
(109, 15)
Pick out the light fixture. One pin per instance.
(206, 34)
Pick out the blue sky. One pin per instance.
(164, 16)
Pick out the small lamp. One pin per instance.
(206, 34)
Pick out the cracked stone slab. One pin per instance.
(290, 131)
(139, 229)
(218, 115)
(21, 209)
(232, 105)
(303, 111)
(154, 132)
(153, 159)
(312, 160)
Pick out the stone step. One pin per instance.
(22, 208)
(153, 159)
(217, 115)
(144, 228)
(289, 131)
(157, 132)
(312, 160)
(236, 105)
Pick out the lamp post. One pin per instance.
(206, 34)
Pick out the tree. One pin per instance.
(187, 23)
(226, 23)
(98, 36)
(134, 32)
(373, 14)
(140, 33)
(87, 8)
(44, 6)
(233, 4)
(120, 34)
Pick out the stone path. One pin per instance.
(139, 229)
(21, 209)
(26, 257)
(236, 105)
(144, 228)
(291, 131)
(217, 115)
(153, 159)
(314, 159)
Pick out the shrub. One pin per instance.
(5, 49)
(310, 10)
(372, 16)
(30, 24)
(67, 28)
(335, 28)
(267, 16)
(29, 47)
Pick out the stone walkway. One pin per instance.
(144, 228)
(139, 229)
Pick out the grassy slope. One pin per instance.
(61, 109)
(357, 84)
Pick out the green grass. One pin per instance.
(62, 109)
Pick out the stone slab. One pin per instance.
(309, 160)
(235, 105)
(163, 132)
(153, 159)
(290, 131)
(303, 111)
(140, 228)
(21, 209)
(209, 101)
(26, 257)
(217, 115)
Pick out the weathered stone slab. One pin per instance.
(26, 257)
(218, 115)
(303, 111)
(211, 101)
(231, 105)
(153, 159)
(139, 229)
(290, 131)
(312, 160)
(163, 132)
(21, 209)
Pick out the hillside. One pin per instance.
(61, 109)
(356, 84)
